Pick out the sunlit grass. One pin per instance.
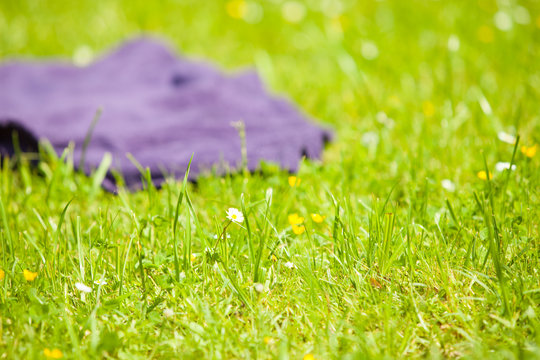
(416, 235)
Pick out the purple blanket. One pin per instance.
(159, 107)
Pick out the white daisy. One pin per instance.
(501, 166)
(235, 215)
(506, 137)
(503, 21)
(82, 287)
(453, 43)
(216, 236)
(293, 11)
(448, 185)
(168, 313)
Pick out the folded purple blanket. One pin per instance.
(156, 106)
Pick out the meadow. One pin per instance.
(415, 236)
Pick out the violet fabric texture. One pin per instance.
(157, 106)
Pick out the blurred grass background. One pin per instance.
(417, 92)
(455, 71)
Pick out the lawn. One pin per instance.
(413, 236)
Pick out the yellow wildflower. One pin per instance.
(298, 229)
(394, 100)
(294, 181)
(485, 34)
(273, 258)
(2, 274)
(529, 151)
(309, 357)
(428, 108)
(236, 9)
(53, 354)
(335, 24)
(482, 175)
(29, 275)
(317, 218)
(193, 257)
(268, 340)
(294, 219)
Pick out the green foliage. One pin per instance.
(416, 257)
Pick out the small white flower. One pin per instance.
(448, 185)
(331, 8)
(453, 43)
(503, 21)
(101, 282)
(289, 265)
(258, 287)
(168, 313)
(235, 215)
(521, 15)
(254, 13)
(369, 139)
(369, 50)
(83, 55)
(501, 166)
(293, 11)
(506, 137)
(383, 119)
(216, 236)
(82, 287)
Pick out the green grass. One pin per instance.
(400, 267)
